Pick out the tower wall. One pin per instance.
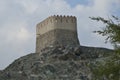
(56, 30)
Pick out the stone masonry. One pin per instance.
(56, 31)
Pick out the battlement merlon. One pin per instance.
(57, 22)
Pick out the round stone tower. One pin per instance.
(56, 31)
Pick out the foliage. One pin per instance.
(110, 68)
(112, 29)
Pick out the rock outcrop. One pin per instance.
(55, 63)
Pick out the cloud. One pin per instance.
(18, 19)
(101, 8)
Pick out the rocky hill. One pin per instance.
(55, 63)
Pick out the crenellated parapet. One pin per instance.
(56, 30)
(58, 18)
(56, 21)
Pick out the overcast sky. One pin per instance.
(18, 19)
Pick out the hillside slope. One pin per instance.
(55, 63)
